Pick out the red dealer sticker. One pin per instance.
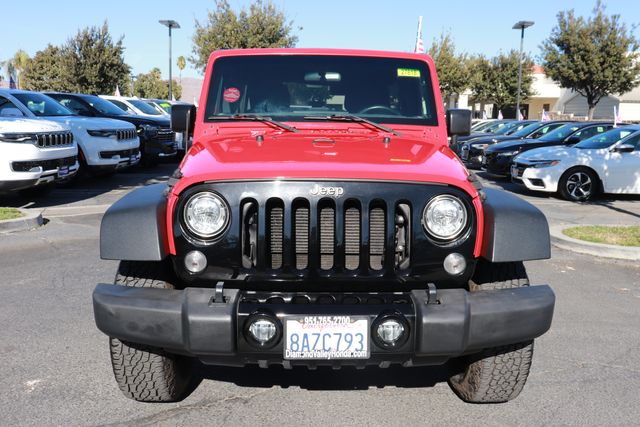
(231, 94)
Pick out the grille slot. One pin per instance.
(327, 236)
(301, 237)
(377, 238)
(352, 238)
(276, 232)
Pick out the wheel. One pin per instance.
(578, 184)
(497, 374)
(382, 108)
(145, 373)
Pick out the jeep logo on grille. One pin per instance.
(319, 190)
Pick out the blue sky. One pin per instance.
(476, 26)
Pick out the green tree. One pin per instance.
(263, 26)
(151, 85)
(95, 61)
(496, 80)
(453, 73)
(181, 63)
(595, 57)
(47, 71)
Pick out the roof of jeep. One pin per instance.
(323, 51)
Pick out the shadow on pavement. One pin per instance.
(88, 187)
(325, 378)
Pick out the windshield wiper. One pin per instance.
(353, 118)
(256, 118)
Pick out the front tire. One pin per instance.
(145, 373)
(579, 185)
(497, 374)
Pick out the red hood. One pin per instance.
(345, 154)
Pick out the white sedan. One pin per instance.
(608, 162)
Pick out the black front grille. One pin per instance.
(165, 135)
(46, 165)
(55, 139)
(347, 237)
(121, 153)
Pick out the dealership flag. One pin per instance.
(419, 43)
(484, 115)
(616, 116)
(545, 116)
(500, 115)
(117, 92)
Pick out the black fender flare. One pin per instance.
(514, 230)
(134, 227)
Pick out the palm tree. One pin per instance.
(181, 64)
(16, 65)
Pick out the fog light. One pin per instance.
(454, 264)
(195, 262)
(390, 331)
(262, 330)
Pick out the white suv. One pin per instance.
(104, 145)
(34, 152)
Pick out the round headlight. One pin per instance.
(206, 215)
(444, 217)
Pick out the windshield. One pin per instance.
(42, 106)
(559, 134)
(144, 107)
(493, 127)
(507, 128)
(295, 87)
(521, 133)
(105, 107)
(605, 139)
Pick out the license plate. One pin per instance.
(326, 337)
(63, 171)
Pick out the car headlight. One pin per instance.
(149, 131)
(102, 133)
(545, 163)
(444, 217)
(17, 137)
(508, 153)
(206, 215)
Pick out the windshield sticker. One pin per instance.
(408, 72)
(231, 94)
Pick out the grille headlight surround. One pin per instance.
(445, 217)
(206, 215)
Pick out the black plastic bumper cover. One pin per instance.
(190, 321)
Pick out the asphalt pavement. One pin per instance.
(55, 367)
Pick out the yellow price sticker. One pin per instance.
(408, 72)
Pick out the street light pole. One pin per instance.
(170, 23)
(520, 25)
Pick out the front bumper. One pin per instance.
(496, 164)
(200, 322)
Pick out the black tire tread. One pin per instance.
(497, 374)
(144, 373)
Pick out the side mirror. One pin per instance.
(183, 118)
(572, 140)
(458, 122)
(624, 148)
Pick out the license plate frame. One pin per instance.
(63, 171)
(324, 337)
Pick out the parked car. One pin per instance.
(471, 151)
(158, 108)
(133, 105)
(35, 153)
(104, 145)
(305, 229)
(506, 128)
(157, 140)
(608, 162)
(497, 158)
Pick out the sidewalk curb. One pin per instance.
(559, 239)
(31, 219)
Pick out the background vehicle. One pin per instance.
(131, 105)
(157, 140)
(506, 128)
(35, 153)
(608, 162)
(321, 219)
(104, 145)
(497, 158)
(471, 151)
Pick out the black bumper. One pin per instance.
(193, 322)
(158, 148)
(497, 165)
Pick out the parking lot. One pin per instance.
(56, 369)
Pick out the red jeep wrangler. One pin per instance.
(320, 218)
